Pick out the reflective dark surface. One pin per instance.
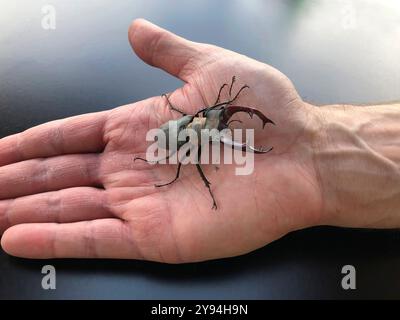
(334, 51)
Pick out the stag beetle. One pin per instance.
(217, 117)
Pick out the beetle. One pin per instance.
(217, 117)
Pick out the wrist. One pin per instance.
(357, 160)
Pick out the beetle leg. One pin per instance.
(204, 178)
(172, 106)
(207, 184)
(172, 181)
(154, 162)
(143, 159)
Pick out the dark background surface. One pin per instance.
(334, 51)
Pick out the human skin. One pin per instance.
(70, 188)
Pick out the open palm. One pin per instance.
(70, 188)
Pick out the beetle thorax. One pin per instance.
(197, 124)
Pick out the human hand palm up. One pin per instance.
(70, 188)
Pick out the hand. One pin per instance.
(70, 188)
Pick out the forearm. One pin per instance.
(357, 159)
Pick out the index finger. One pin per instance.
(78, 134)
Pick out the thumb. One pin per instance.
(163, 49)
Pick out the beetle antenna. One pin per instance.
(237, 94)
(219, 93)
(172, 106)
(230, 88)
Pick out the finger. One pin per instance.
(67, 205)
(106, 238)
(49, 174)
(79, 134)
(165, 50)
